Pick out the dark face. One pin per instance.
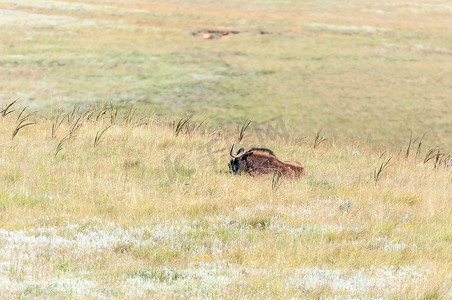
(235, 166)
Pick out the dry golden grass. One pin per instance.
(149, 213)
(95, 204)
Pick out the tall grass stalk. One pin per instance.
(319, 139)
(7, 109)
(99, 135)
(56, 123)
(241, 130)
(187, 126)
(431, 154)
(407, 154)
(21, 122)
(60, 144)
(418, 151)
(380, 167)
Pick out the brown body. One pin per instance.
(261, 161)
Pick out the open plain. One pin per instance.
(110, 190)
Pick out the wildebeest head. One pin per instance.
(259, 161)
(237, 164)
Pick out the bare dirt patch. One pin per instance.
(212, 34)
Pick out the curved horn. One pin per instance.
(239, 153)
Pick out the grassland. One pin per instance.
(361, 70)
(145, 212)
(106, 201)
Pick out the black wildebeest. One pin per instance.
(260, 161)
